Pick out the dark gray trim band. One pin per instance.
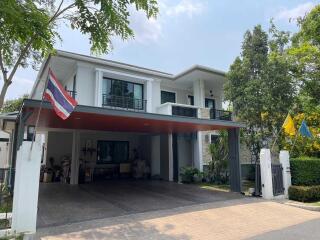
(136, 114)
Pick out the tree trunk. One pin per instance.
(3, 92)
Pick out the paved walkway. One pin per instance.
(245, 218)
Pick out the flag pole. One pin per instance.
(39, 111)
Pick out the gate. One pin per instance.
(277, 180)
(6, 196)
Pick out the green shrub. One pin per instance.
(187, 174)
(304, 193)
(305, 172)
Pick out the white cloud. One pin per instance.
(19, 87)
(145, 30)
(294, 13)
(185, 7)
(151, 30)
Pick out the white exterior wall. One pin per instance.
(85, 85)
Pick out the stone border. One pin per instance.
(302, 205)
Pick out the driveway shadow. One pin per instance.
(303, 231)
(133, 231)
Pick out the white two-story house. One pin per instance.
(130, 121)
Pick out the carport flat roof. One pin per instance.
(107, 119)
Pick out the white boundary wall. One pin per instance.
(266, 173)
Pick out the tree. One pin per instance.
(261, 88)
(219, 152)
(305, 51)
(13, 105)
(28, 28)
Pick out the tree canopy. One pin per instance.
(28, 29)
(260, 86)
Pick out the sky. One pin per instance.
(185, 33)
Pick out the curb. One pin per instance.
(303, 206)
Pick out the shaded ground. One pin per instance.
(61, 204)
(244, 218)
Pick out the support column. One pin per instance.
(198, 93)
(286, 174)
(148, 92)
(197, 151)
(266, 174)
(170, 156)
(155, 155)
(75, 158)
(98, 89)
(26, 188)
(234, 159)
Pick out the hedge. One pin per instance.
(304, 193)
(305, 172)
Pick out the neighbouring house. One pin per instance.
(130, 121)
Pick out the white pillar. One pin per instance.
(266, 173)
(286, 174)
(75, 158)
(199, 93)
(26, 188)
(170, 157)
(98, 89)
(148, 90)
(197, 152)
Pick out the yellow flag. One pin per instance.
(288, 126)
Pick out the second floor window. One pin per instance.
(190, 100)
(112, 87)
(168, 97)
(209, 103)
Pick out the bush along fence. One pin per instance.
(305, 180)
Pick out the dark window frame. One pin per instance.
(124, 81)
(191, 100)
(165, 91)
(113, 142)
(209, 99)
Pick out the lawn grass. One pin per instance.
(317, 204)
(216, 187)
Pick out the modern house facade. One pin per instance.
(130, 121)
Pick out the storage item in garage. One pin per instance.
(47, 177)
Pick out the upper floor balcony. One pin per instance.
(121, 102)
(176, 109)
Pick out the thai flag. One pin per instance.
(62, 102)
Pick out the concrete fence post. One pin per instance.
(26, 188)
(286, 174)
(266, 174)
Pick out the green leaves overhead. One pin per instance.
(28, 29)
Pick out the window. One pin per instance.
(214, 138)
(112, 152)
(168, 97)
(210, 103)
(190, 100)
(112, 87)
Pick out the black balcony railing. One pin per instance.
(73, 94)
(220, 114)
(123, 102)
(184, 111)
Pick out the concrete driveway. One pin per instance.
(61, 204)
(244, 218)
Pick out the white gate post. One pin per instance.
(26, 188)
(266, 174)
(286, 174)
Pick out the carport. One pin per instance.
(162, 134)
